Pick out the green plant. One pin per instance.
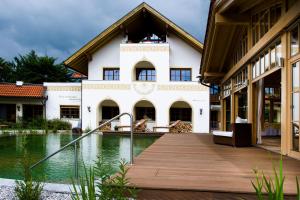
(87, 189)
(120, 184)
(27, 189)
(98, 183)
(87, 129)
(57, 124)
(272, 187)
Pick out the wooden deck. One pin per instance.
(192, 162)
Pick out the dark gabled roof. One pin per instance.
(79, 60)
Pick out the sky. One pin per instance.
(58, 28)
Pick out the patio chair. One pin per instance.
(240, 136)
(138, 126)
(172, 125)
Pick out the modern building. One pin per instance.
(143, 64)
(252, 52)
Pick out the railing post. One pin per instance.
(131, 139)
(75, 161)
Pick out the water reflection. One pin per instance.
(60, 168)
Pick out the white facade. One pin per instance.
(62, 94)
(127, 91)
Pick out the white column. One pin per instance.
(19, 112)
(162, 116)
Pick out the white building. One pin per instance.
(143, 64)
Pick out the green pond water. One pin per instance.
(60, 168)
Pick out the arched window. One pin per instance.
(145, 71)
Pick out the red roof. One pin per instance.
(78, 75)
(25, 90)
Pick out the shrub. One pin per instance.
(98, 183)
(87, 129)
(27, 189)
(57, 124)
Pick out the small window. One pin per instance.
(71, 112)
(180, 74)
(214, 90)
(294, 41)
(145, 74)
(111, 74)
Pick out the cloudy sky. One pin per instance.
(59, 27)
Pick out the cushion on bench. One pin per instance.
(223, 133)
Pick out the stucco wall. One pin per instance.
(183, 55)
(107, 56)
(127, 92)
(62, 94)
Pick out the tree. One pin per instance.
(6, 71)
(32, 68)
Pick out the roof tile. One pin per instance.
(26, 90)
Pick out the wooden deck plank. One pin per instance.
(193, 162)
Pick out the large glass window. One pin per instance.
(31, 112)
(263, 21)
(144, 74)
(69, 112)
(294, 41)
(242, 103)
(295, 105)
(270, 58)
(240, 79)
(110, 74)
(7, 113)
(180, 75)
(227, 114)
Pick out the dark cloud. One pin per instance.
(59, 27)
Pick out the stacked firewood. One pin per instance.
(106, 127)
(181, 127)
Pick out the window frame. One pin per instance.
(113, 74)
(147, 76)
(180, 74)
(295, 26)
(69, 114)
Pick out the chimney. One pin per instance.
(19, 83)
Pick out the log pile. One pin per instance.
(106, 127)
(181, 127)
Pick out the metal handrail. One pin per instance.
(87, 134)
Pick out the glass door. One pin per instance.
(227, 113)
(295, 105)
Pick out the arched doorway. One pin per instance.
(180, 110)
(144, 71)
(108, 109)
(145, 110)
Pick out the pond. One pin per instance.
(60, 168)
